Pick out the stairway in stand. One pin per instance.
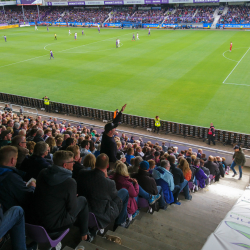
(181, 227)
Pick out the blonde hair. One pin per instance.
(118, 144)
(223, 158)
(89, 161)
(51, 142)
(193, 157)
(184, 166)
(121, 169)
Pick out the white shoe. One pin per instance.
(196, 188)
(59, 246)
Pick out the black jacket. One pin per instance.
(214, 170)
(38, 138)
(101, 195)
(146, 181)
(55, 199)
(108, 145)
(76, 169)
(13, 191)
(33, 165)
(177, 173)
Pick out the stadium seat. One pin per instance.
(94, 223)
(39, 235)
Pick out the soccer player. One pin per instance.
(99, 28)
(137, 36)
(5, 38)
(116, 43)
(47, 28)
(231, 45)
(69, 32)
(51, 54)
(83, 32)
(55, 37)
(119, 43)
(75, 36)
(133, 38)
(149, 32)
(36, 27)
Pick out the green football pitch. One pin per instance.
(186, 76)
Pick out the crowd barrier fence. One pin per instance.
(199, 132)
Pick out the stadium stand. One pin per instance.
(44, 147)
(236, 14)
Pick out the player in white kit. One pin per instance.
(118, 42)
(75, 36)
(137, 37)
(36, 27)
(69, 32)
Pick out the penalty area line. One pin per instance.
(235, 66)
(237, 84)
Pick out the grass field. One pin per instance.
(186, 76)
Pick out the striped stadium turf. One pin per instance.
(186, 76)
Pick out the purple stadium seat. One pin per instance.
(39, 235)
(94, 223)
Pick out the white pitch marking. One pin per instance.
(22, 61)
(227, 57)
(237, 84)
(236, 66)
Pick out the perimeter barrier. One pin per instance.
(222, 136)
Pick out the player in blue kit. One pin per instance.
(149, 32)
(51, 55)
(133, 38)
(99, 28)
(47, 28)
(5, 38)
(116, 43)
(83, 32)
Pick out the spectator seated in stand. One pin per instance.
(213, 168)
(13, 191)
(56, 204)
(199, 174)
(37, 162)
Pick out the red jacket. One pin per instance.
(133, 190)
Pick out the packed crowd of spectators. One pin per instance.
(236, 14)
(190, 14)
(57, 173)
(121, 16)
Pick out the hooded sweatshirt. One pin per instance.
(13, 190)
(55, 200)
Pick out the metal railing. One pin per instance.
(199, 132)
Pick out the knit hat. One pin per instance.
(144, 165)
(236, 147)
(109, 126)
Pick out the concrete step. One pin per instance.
(159, 233)
(204, 233)
(171, 231)
(90, 246)
(171, 234)
(131, 243)
(67, 248)
(192, 220)
(106, 244)
(191, 208)
(145, 239)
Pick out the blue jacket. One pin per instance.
(13, 191)
(165, 175)
(168, 195)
